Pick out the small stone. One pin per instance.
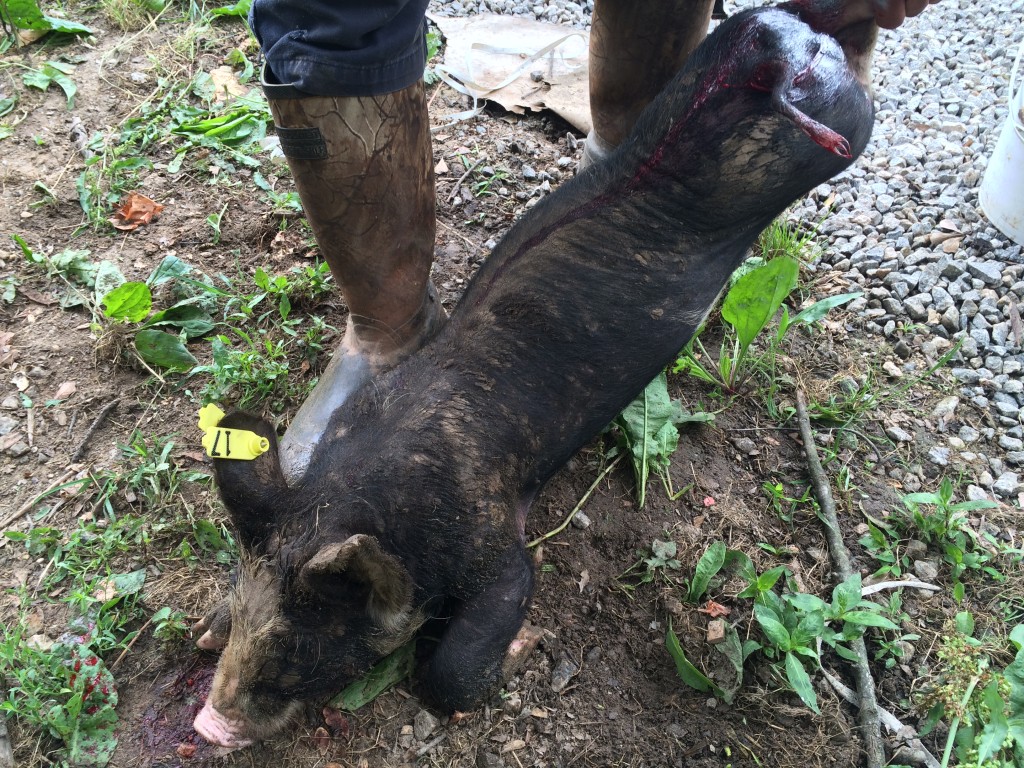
(7, 423)
(405, 738)
(899, 435)
(563, 672)
(916, 549)
(19, 449)
(746, 446)
(969, 434)
(926, 570)
(581, 520)
(513, 704)
(989, 272)
(1011, 443)
(716, 631)
(892, 370)
(1006, 485)
(424, 724)
(944, 409)
(939, 454)
(977, 493)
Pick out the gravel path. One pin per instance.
(906, 226)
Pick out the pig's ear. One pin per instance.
(360, 557)
(253, 491)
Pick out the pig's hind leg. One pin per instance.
(467, 665)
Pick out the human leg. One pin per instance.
(636, 47)
(349, 105)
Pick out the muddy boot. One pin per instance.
(635, 49)
(363, 167)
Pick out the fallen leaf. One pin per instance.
(225, 82)
(715, 610)
(539, 712)
(65, 390)
(107, 590)
(39, 298)
(21, 381)
(29, 36)
(135, 209)
(512, 746)
(7, 353)
(584, 579)
(322, 739)
(441, 167)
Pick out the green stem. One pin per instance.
(955, 725)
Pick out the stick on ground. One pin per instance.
(92, 429)
(868, 703)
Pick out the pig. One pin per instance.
(414, 504)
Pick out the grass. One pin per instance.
(93, 587)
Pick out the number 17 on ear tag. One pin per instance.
(225, 443)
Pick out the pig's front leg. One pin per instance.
(467, 665)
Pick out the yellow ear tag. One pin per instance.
(224, 443)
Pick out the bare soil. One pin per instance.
(620, 701)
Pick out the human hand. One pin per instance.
(893, 12)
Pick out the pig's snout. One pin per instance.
(220, 730)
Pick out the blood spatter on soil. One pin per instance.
(165, 728)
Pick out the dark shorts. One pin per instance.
(340, 48)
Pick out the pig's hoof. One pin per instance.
(214, 628)
(520, 648)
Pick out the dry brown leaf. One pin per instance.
(29, 36)
(322, 739)
(225, 83)
(21, 381)
(441, 167)
(135, 209)
(65, 390)
(36, 296)
(7, 353)
(711, 608)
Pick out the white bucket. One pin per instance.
(1002, 189)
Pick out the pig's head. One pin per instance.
(312, 607)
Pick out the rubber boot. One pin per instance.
(635, 49)
(363, 167)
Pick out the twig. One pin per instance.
(427, 747)
(914, 751)
(868, 703)
(579, 504)
(30, 428)
(29, 504)
(462, 178)
(131, 643)
(873, 588)
(92, 429)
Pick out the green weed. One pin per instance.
(982, 701)
(937, 520)
(790, 624)
(656, 565)
(647, 432)
(248, 375)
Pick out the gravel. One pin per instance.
(904, 224)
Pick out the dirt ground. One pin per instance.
(618, 701)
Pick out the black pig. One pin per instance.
(414, 504)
